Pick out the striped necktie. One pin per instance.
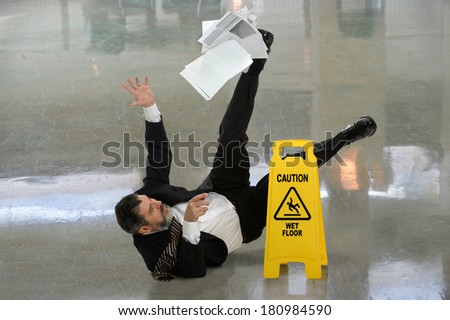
(166, 262)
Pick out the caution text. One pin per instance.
(302, 177)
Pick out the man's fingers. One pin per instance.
(138, 82)
(199, 201)
(199, 204)
(196, 207)
(202, 213)
(201, 210)
(141, 93)
(200, 196)
(131, 83)
(127, 88)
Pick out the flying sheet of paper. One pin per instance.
(228, 47)
(240, 27)
(208, 73)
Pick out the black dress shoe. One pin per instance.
(364, 127)
(267, 37)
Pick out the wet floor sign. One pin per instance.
(294, 230)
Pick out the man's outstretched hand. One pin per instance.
(141, 92)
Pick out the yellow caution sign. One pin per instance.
(294, 230)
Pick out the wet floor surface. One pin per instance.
(71, 146)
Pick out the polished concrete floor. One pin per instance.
(71, 145)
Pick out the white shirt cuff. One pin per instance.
(152, 113)
(191, 232)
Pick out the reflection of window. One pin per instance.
(349, 173)
(412, 17)
(357, 18)
(428, 285)
(415, 173)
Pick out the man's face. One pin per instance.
(154, 212)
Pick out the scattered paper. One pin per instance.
(228, 47)
(240, 27)
(212, 70)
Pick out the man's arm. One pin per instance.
(196, 249)
(158, 146)
(192, 260)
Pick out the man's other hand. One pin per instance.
(141, 92)
(196, 207)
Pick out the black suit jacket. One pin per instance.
(191, 259)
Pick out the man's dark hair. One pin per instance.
(127, 215)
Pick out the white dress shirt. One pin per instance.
(220, 220)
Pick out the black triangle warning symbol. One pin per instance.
(292, 207)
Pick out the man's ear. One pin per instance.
(145, 229)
